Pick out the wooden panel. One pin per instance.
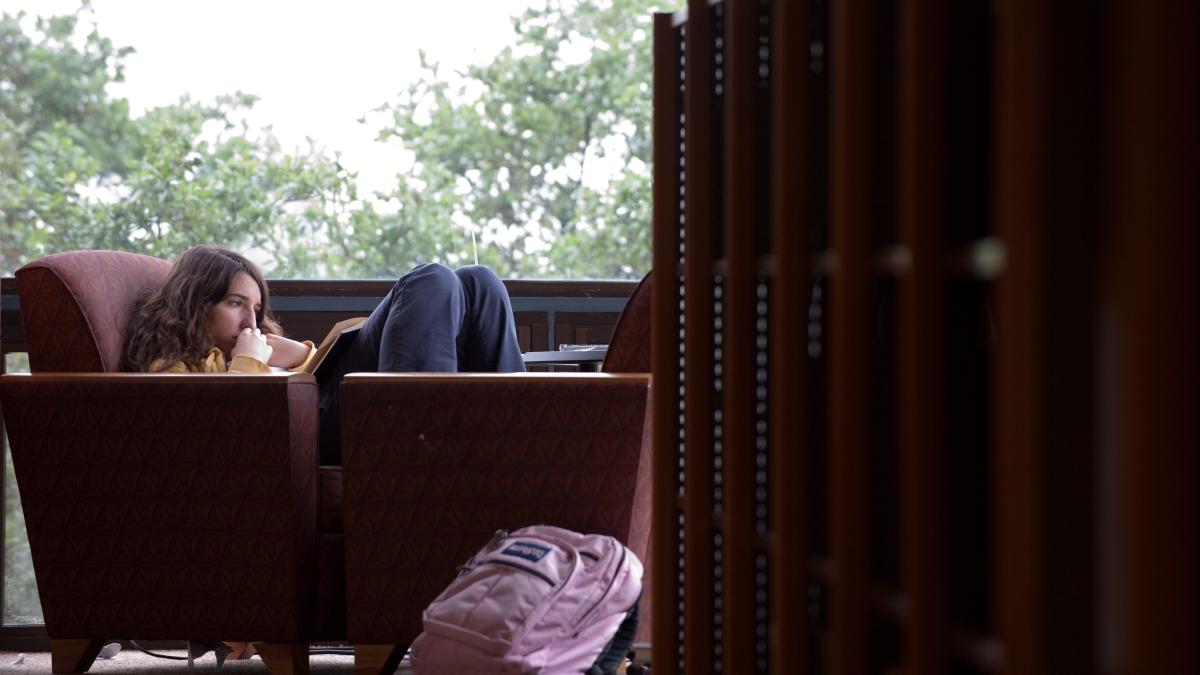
(1151, 215)
(592, 328)
(701, 223)
(1018, 479)
(1037, 274)
(850, 213)
(742, 217)
(920, 390)
(1044, 453)
(790, 644)
(666, 344)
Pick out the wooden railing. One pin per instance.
(548, 312)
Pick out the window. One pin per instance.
(347, 141)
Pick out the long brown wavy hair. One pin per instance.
(171, 322)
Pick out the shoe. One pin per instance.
(109, 651)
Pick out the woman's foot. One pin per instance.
(240, 651)
(223, 651)
(198, 648)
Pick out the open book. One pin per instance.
(336, 342)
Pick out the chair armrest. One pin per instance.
(433, 465)
(164, 503)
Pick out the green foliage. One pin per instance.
(57, 126)
(521, 135)
(511, 160)
(21, 603)
(80, 172)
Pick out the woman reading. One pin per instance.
(212, 315)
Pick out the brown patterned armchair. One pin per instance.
(435, 464)
(164, 506)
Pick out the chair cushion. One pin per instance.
(75, 307)
(629, 350)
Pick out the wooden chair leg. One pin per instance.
(377, 659)
(73, 656)
(284, 658)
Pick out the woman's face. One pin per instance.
(234, 312)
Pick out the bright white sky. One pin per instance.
(317, 66)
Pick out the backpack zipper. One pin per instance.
(497, 538)
(606, 588)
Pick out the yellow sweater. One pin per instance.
(214, 362)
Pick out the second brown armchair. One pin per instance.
(435, 464)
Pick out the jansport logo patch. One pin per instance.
(527, 550)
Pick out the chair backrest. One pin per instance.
(629, 349)
(75, 307)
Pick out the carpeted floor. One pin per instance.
(133, 661)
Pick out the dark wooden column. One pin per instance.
(701, 213)
(791, 650)
(921, 198)
(849, 376)
(746, 232)
(1043, 444)
(1149, 327)
(666, 530)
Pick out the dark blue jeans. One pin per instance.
(434, 320)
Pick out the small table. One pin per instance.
(587, 361)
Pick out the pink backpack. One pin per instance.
(539, 600)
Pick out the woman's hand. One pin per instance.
(286, 353)
(251, 342)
